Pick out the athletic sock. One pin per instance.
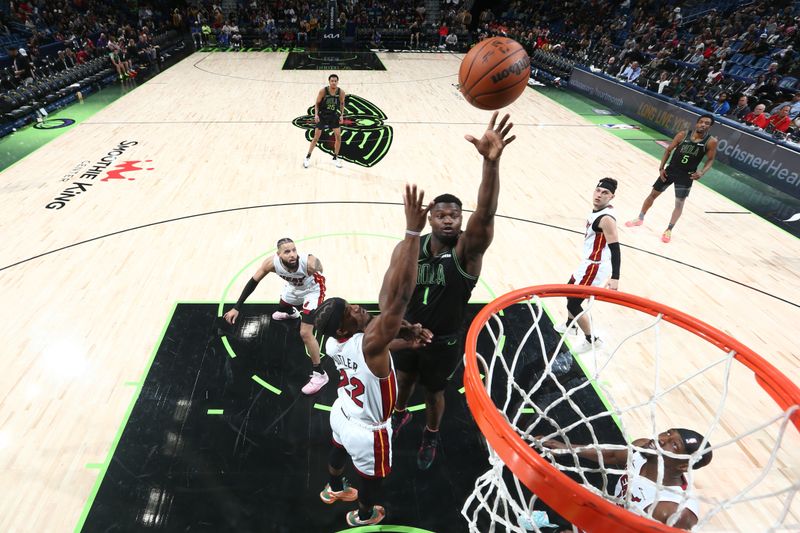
(430, 434)
(670, 226)
(308, 155)
(317, 368)
(364, 515)
(336, 483)
(641, 216)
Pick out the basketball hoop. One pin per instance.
(512, 444)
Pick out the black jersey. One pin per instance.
(442, 292)
(688, 154)
(330, 104)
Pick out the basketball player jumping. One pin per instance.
(359, 343)
(691, 147)
(305, 287)
(601, 257)
(328, 115)
(449, 263)
(641, 486)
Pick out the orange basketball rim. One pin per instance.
(568, 498)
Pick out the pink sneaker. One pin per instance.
(666, 236)
(634, 222)
(280, 315)
(315, 383)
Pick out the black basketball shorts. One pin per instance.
(434, 363)
(683, 183)
(328, 122)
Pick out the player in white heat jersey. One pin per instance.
(359, 343)
(304, 288)
(600, 259)
(641, 487)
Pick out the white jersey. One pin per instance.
(300, 279)
(643, 491)
(595, 246)
(364, 397)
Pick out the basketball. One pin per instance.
(494, 73)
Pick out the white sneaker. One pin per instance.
(586, 346)
(315, 383)
(306, 162)
(337, 162)
(280, 315)
(564, 328)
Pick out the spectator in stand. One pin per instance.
(757, 117)
(721, 106)
(414, 30)
(714, 75)
(672, 90)
(612, 67)
(443, 31)
(780, 121)
(23, 70)
(631, 73)
(82, 56)
(688, 92)
(451, 41)
(740, 110)
(663, 81)
(755, 86)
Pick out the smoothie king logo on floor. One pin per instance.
(87, 177)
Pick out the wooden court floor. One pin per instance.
(88, 286)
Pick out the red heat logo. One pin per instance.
(126, 166)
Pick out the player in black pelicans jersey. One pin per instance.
(328, 113)
(689, 147)
(448, 267)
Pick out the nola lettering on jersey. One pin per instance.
(428, 274)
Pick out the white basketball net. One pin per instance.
(741, 492)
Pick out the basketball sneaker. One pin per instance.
(666, 236)
(427, 450)
(399, 419)
(378, 513)
(347, 494)
(586, 346)
(306, 162)
(634, 222)
(315, 383)
(282, 315)
(337, 162)
(566, 328)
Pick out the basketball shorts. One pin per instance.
(307, 300)
(683, 183)
(370, 447)
(435, 364)
(328, 122)
(591, 273)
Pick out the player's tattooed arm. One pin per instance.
(314, 265)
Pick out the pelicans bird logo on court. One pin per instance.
(365, 137)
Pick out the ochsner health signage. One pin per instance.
(775, 165)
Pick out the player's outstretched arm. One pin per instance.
(399, 280)
(480, 227)
(266, 267)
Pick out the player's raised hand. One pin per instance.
(230, 316)
(494, 139)
(416, 213)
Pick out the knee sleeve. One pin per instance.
(574, 306)
(337, 457)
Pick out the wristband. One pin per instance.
(413, 233)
